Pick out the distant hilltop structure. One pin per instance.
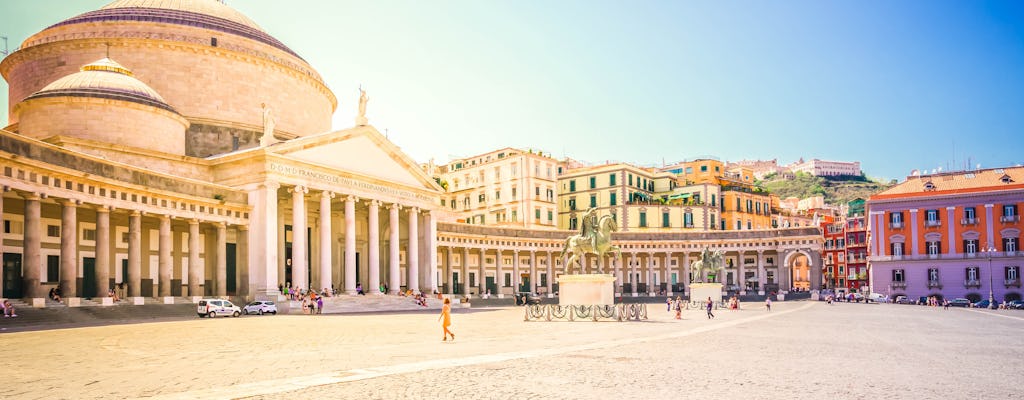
(816, 167)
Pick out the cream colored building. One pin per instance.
(506, 187)
(117, 171)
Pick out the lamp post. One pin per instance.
(991, 298)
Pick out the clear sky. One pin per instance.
(897, 85)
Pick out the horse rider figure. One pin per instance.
(589, 227)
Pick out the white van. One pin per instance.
(878, 298)
(216, 307)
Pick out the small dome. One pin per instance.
(104, 79)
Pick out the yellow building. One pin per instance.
(641, 199)
(744, 206)
(506, 187)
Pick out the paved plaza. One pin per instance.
(799, 350)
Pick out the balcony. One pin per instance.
(1012, 282)
(932, 223)
(1009, 218)
(899, 285)
(968, 221)
(972, 283)
(971, 255)
(895, 225)
(934, 285)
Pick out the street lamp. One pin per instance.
(991, 298)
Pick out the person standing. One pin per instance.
(679, 307)
(446, 315)
(768, 303)
(708, 306)
(320, 304)
(668, 304)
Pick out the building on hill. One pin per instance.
(506, 187)
(818, 167)
(759, 168)
(949, 235)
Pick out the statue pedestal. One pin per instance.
(586, 289)
(701, 291)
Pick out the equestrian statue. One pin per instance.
(594, 238)
(710, 261)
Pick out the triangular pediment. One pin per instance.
(360, 150)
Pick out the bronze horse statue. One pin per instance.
(600, 244)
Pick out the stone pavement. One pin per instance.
(799, 350)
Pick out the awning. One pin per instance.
(679, 196)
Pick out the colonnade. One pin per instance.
(104, 251)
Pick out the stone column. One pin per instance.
(300, 261)
(632, 274)
(242, 260)
(668, 273)
(760, 272)
(617, 266)
(741, 281)
(394, 245)
(533, 271)
(815, 270)
(102, 251)
(281, 238)
(135, 254)
(551, 274)
(326, 244)
(451, 270)
(651, 290)
(350, 245)
(499, 274)
(32, 245)
(266, 239)
(481, 278)
(517, 279)
(373, 258)
(164, 259)
(69, 250)
(222, 260)
(685, 272)
(412, 257)
(195, 270)
(432, 250)
(465, 271)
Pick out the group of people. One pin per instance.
(313, 303)
(733, 303)
(9, 309)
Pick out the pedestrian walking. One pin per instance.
(768, 303)
(679, 307)
(668, 304)
(446, 315)
(320, 305)
(709, 305)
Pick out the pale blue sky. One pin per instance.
(893, 84)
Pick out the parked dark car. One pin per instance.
(982, 304)
(1016, 305)
(960, 302)
(527, 298)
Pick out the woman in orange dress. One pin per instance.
(446, 315)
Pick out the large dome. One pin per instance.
(210, 64)
(207, 14)
(104, 79)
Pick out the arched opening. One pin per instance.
(938, 297)
(1011, 296)
(973, 297)
(800, 272)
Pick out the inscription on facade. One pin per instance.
(346, 182)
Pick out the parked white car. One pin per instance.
(216, 307)
(260, 308)
(878, 298)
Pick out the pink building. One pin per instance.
(949, 235)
